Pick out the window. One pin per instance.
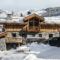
(40, 35)
(30, 23)
(13, 34)
(50, 35)
(36, 23)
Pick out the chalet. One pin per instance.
(13, 33)
(32, 25)
(38, 25)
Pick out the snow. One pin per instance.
(37, 52)
(52, 20)
(3, 14)
(30, 56)
(17, 18)
(22, 49)
(34, 11)
(39, 12)
(36, 37)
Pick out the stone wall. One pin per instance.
(2, 44)
(10, 34)
(46, 34)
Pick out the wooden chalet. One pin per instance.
(36, 23)
(13, 33)
(32, 25)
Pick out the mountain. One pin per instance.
(54, 11)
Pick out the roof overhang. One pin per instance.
(32, 16)
(12, 23)
(4, 34)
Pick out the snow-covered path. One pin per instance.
(37, 52)
(52, 53)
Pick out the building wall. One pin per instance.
(46, 34)
(10, 34)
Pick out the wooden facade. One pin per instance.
(32, 23)
(49, 28)
(37, 24)
(13, 40)
(12, 28)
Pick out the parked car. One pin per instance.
(55, 41)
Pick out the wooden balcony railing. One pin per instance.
(35, 29)
(13, 40)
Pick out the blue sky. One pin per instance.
(18, 5)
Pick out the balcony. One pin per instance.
(13, 40)
(34, 29)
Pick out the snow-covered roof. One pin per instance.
(52, 20)
(17, 19)
(3, 15)
(8, 12)
(21, 20)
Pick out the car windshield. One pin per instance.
(55, 38)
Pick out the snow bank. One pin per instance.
(38, 47)
(31, 57)
(22, 49)
(37, 52)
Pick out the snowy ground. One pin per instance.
(37, 52)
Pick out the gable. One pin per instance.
(33, 16)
